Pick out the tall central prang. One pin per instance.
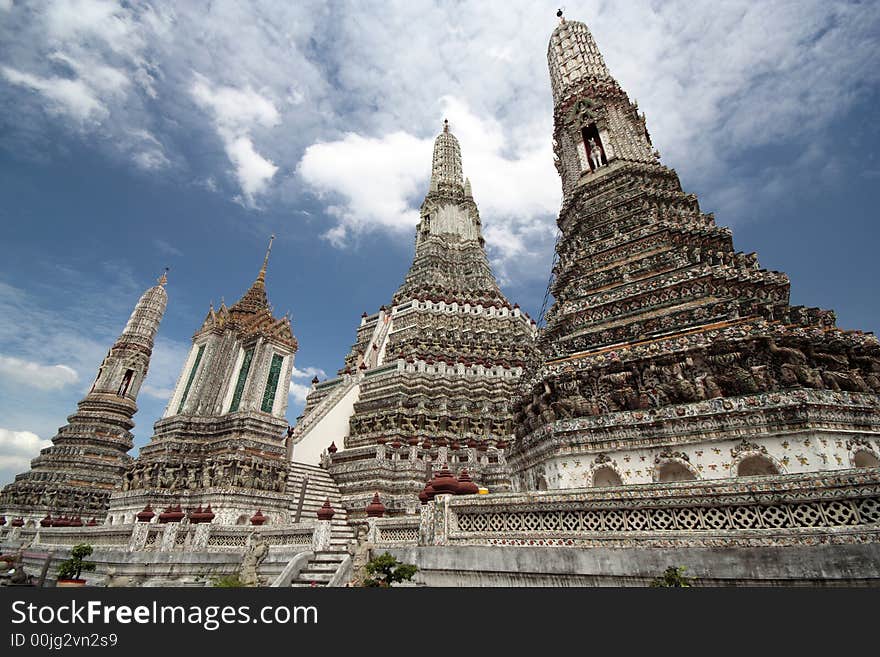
(667, 354)
(429, 380)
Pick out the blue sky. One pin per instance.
(184, 134)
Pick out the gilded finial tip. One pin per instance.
(164, 277)
(262, 275)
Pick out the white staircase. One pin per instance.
(324, 406)
(320, 487)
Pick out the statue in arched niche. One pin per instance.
(595, 152)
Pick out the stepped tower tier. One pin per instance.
(430, 378)
(222, 438)
(89, 455)
(667, 353)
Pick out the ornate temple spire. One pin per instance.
(146, 316)
(262, 274)
(88, 455)
(450, 258)
(574, 59)
(255, 299)
(446, 167)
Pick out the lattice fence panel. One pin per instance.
(741, 517)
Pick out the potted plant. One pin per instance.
(70, 570)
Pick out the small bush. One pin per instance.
(672, 577)
(73, 567)
(227, 582)
(385, 570)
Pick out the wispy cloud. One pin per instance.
(236, 112)
(167, 249)
(28, 373)
(73, 97)
(17, 448)
(307, 373)
(299, 391)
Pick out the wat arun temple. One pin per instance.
(673, 409)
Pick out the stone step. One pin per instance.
(308, 577)
(323, 485)
(329, 557)
(318, 500)
(312, 480)
(311, 489)
(301, 585)
(320, 568)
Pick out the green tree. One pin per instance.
(672, 577)
(73, 567)
(385, 570)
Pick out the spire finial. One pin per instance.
(559, 14)
(262, 275)
(445, 125)
(164, 277)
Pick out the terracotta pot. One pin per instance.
(375, 509)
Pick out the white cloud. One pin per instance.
(167, 249)
(28, 373)
(373, 177)
(17, 449)
(381, 181)
(72, 97)
(236, 113)
(299, 392)
(235, 110)
(252, 169)
(308, 372)
(102, 19)
(5, 5)
(163, 394)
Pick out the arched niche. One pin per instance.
(674, 470)
(756, 465)
(242, 519)
(864, 458)
(605, 476)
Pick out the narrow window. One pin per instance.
(126, 382)
(192, 375)
(593, 144)
(242, 378)
(272, 383)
